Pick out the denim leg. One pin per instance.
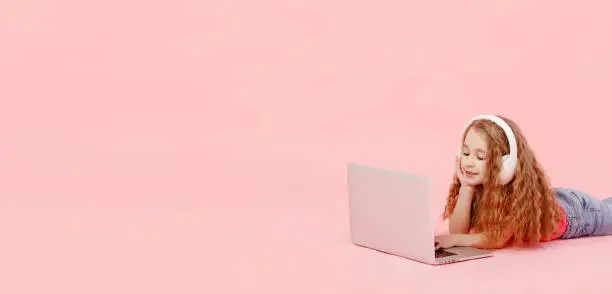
(569, 204)
(587, 216)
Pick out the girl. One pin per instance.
(500, 195)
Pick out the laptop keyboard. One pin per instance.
(443, 253)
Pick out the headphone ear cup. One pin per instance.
(505, 163)
(505, 168)
(505, 159)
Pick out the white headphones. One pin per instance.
(509, 161)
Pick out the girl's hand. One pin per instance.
(465, 182)
(446, 241)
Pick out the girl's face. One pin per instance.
(473, 157)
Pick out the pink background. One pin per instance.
(200, 146)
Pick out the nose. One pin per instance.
(468, 161)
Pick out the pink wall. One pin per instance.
(136, 102)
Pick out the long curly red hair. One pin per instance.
(520, 213)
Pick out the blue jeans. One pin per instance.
(586, 216)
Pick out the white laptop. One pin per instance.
(390, 212)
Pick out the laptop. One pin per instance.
(390, 213)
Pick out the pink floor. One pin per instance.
(265, 248)
(143, 143)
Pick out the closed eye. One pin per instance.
(468, 154)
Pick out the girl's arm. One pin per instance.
(470, 240)
(479, 240)
(459, 222)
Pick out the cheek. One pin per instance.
(482, 167)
